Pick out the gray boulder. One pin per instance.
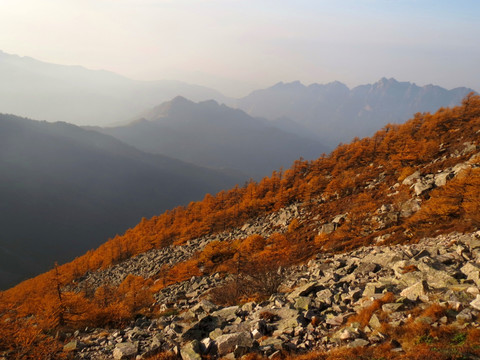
(416, 291)
(472, 272)
(304, 290)
(476, 303)
(125, 350)
(191, 351)
(202, 328)
(226, 343)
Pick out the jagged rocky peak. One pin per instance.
(384, 82)
(294, 85)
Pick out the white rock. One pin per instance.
(476, 303)
(125, 350)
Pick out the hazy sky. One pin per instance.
(239, 45)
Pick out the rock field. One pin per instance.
(311, 309)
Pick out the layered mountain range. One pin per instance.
(213, 135)
(74, 94)
(333, 113)
(330, 113)
(64, 190)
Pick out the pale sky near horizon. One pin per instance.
(240, 45)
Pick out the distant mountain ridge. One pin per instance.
(74, 94)
(335, 113)
(329, 113)
(217, 136)
(64, 190)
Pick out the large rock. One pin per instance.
(334, 320)
(289, 319)
(327, 228)
(125, 350)
(202, 328)
(441, 178)
(358, 343)
(422, 185)
(276, 343)
(303, 303)
(324, 296)
(191, 351)
(372, 289)
(203, 306)
(226, 343)
(228, 313)
(374, 322)
(72, 346)
(411, 179)
(304, 290)
(472, 272)
(476, 303)
(366, 268)
(409, 207)
(384, 259)
(437, 279)
(416, 291)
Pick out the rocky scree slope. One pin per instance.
(406, 183)
(149, 264)
(312, 307)
(318, 305)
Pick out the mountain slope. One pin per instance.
(215, 136)
(336, 113)
(81, 96)
(74, 188)
(275, 245)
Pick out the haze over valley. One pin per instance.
(65, 190)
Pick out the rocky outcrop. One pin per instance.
(326, 292)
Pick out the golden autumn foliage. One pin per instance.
(364, 315)
(455, 205)
(356, 179)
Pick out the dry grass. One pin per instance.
(268, 316)
(163, 356)
(363, 317)
(409, 269)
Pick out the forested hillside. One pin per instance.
(404, 183)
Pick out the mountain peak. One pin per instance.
(179, 100)
(385, 82)
(336, 83)
(168, 108)
(211, 104)
(290, 85)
